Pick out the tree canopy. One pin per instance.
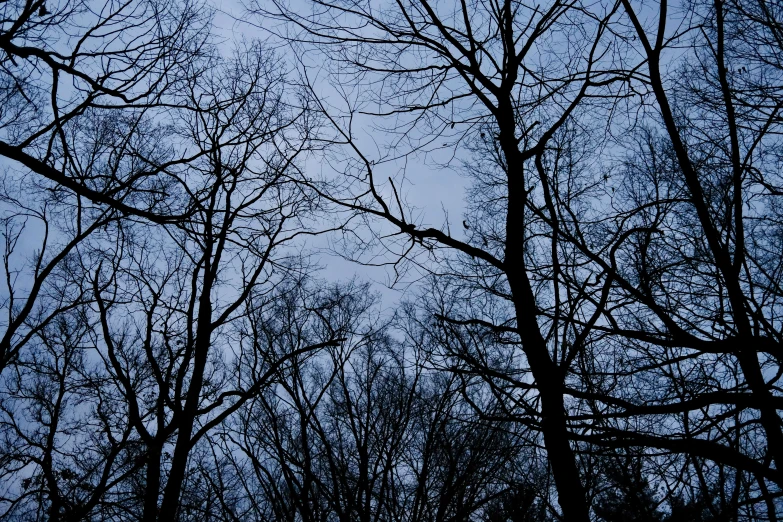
(596, 336)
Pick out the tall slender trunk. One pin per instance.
(179, 461)
(548, 376)
(747, 356)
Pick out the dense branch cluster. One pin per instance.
(599, 335)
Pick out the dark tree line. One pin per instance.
(597, 337)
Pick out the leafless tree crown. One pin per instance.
(598, 336)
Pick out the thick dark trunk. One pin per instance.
(549, 379)
(548, 376)
(150, 512)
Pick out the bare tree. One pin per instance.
(597, 337)
(511, 76)
(175, 315)
(63, 61)
(374, 432)
(617, 179)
